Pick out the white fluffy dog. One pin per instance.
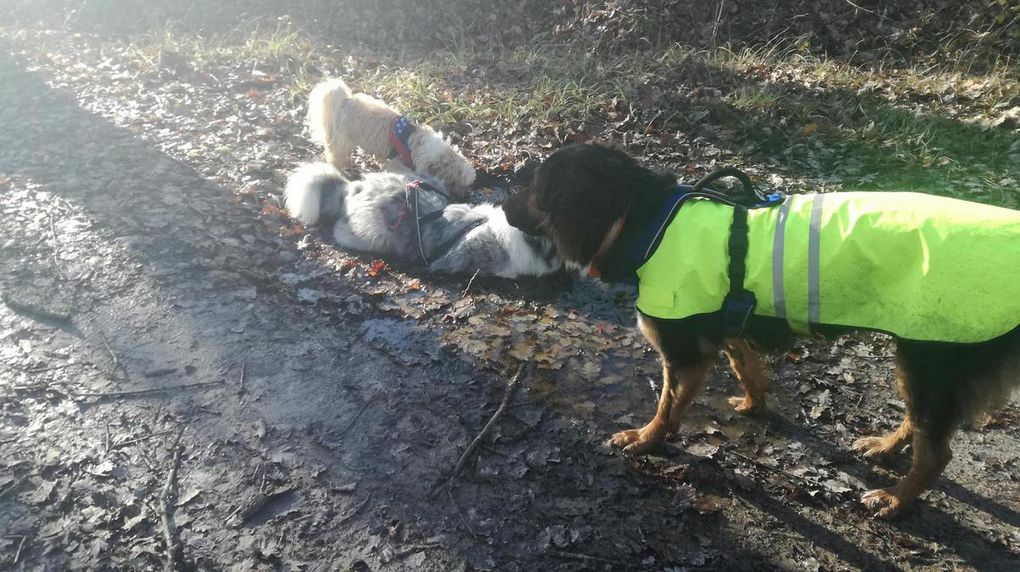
(408, 216)
(340, 121)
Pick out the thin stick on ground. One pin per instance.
(469, 453)
(470, 282)
(357, 416)
(583, 557)
(242, 389)
(17, 554)
(116, 360)
(165, 498)
(140, 439)
(138, 392)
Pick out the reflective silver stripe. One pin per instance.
(814, 257)
(778, 247)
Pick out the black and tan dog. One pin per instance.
(586, 196)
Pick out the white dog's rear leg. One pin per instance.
(345, 237)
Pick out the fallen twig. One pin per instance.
(116, 360)
(470, 282)
(135, 393)
(511, 391)
(36, 312)
(17, 553)
(254, 505)
(32, 387)
(585, 557)
(357, 416)
(166, 519)
(862, 9)
(789, 476)
(140, 439)
(241, 389)
(469, 453)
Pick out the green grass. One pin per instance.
(822, 119)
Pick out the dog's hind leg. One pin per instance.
(344, 236)
(749, 368)
(930, 457)
(929, 378)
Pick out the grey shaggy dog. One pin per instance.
(377, 214)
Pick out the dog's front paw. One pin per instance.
(877, 449)
(637, 441)
(744, 404)
(885, 502)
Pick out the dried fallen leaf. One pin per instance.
(296, 230)
(377, 267)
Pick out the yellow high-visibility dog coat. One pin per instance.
(921, 267)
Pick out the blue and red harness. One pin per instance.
(400, 140)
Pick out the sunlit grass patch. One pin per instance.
(925, 127)
(279, 45)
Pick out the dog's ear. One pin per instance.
(520, 212)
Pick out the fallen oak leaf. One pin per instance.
(377, 267)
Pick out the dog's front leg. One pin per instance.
(679, 387)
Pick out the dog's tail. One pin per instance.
(322, 103)
(315, 193)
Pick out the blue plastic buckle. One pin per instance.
(772, 199)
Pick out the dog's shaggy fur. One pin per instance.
(578, 194)
(374, 215)
(341, 121)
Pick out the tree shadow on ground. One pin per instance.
(857, 138)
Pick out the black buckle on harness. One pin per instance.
(736, 311)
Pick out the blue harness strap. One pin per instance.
(739, 304)
(400, 140)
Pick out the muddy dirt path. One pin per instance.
(318, 398)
